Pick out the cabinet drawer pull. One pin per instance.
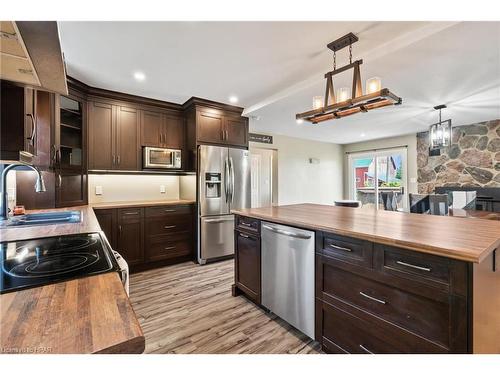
(245, 224)
(372, 298)
(340, 247)
(426, 269)
(170, 210)
(131, 213)
(169, 226)
(169, 248)
(365, 350)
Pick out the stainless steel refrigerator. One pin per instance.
(223, 185)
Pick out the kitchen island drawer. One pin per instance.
(429, 318)
(169, 224)
(346, 249)
(247, 224)
(161, 211)
(428, 269)
(343, 331)
(166, 247)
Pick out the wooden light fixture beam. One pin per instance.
(358, 102)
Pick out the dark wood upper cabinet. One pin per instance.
(162, 130)
(101, 119)
(210, 127)
(127, 150)
(151, 128)
(18, 121)
(174, 132)
(236, 129)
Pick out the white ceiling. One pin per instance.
(275, 68)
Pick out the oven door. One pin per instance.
(155, 157)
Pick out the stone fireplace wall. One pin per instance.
(473, 159)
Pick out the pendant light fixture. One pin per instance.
(348, 101)
(440, 132)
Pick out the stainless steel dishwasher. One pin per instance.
(288, 274)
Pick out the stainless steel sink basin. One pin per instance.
(43, 218)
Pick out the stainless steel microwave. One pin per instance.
(163, 158)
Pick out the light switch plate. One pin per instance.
(163, 189)
(98, 190)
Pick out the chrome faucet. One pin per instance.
(39, 185)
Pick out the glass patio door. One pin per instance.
(374, 173)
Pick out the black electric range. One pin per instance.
(39, 261)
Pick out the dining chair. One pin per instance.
(463, 199)
(389, 200)
(438, 204)
(419, 203)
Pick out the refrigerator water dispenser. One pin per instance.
(212, 185)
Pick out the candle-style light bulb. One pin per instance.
(343, 94)
(373, 84)
(317, 102)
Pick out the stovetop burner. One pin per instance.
(31, 263)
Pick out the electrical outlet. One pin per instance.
(413, 180)
(98, 190)
(163, 189)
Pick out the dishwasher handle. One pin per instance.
(286, 232)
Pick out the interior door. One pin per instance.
(213, 180)
(239, 183)
(127, 154)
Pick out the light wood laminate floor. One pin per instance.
(187, 308)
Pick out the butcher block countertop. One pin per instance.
(471, 240)
(87, 315)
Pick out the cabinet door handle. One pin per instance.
(426, 269)
(340, 248)
(120, 230)
(169, 248)
(169, 226)
(365, 350)
(118, 159)
(227, 135)
(372, 298)
(33, 128)
(113, 159)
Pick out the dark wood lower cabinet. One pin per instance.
(149, 237)
(373, 298)
(247, 264)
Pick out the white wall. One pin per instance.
(302, 182)
(409, 140)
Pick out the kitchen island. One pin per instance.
(388, 282)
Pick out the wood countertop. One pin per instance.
(141, 204)
(469, 240)
(87, 315)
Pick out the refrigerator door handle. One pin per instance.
(226, 179)
(231, 173)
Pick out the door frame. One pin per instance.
(274, 172)
(375, 154)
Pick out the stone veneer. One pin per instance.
(473, 159)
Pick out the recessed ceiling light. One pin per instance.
(233, 99)
(299, 121)
(139, 76)
(362, 134)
